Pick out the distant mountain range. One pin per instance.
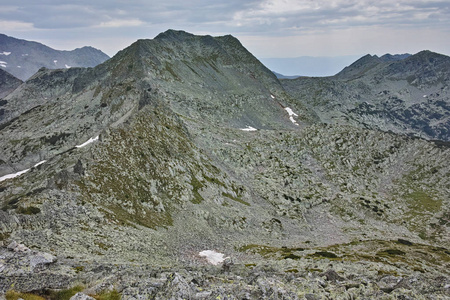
(309, 65)
(23, 58)
(315, 66)
(406, 94)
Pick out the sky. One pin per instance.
(267, 28)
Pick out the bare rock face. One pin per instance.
(117, 177)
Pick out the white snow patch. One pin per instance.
(249, 128)
(68, 67)
(425, 96)
(212, 256)
(273, 97)
(39, 163)
(5, 53)
(292, 114)
(91, 140)
(55, 61)
(3, 63)
(19, 67)
(9, 176)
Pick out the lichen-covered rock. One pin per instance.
(81, 296)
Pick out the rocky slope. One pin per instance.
(187, 143)
(8, 83)
(407, 95)
(23, 58)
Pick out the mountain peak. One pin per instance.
(174, 34)
(359, 67)
(394, 57)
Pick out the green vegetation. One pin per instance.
(65, 294)
(235, 198)
(13, 295)
(196, 186)
(420, 201)
(78, 269)
(325, 254)
(390, 252)
(272, 252)
(29, 210)
(108, 295)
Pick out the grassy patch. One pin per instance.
(13, 295)
(272, 252)
(419, 200)
(65, 294)
(30, 210)
(215, 181)
(108, 295)
(196, 185)
(389, 252)
(324, 254)
(78, 269)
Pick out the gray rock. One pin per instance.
(81, 296)
(16, 247)
(40, 259)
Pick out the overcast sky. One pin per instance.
(271, 28)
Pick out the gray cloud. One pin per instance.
(244, 16)
(142, 18)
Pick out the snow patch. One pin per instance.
(292, 114)
(39, 163)
(5, 53)
(212, 256)
(273, 97)
(3, 63)
(91, 140)
(249, 128)
(19, 67)
(68, 67)
(9, 176)
(14, 175)
(55, 61)
(425, 96)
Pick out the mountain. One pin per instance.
(23, 58)
(8, 83)
(123, 177)
(403, 94)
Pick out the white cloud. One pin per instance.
(121, 23)
(15, 26)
